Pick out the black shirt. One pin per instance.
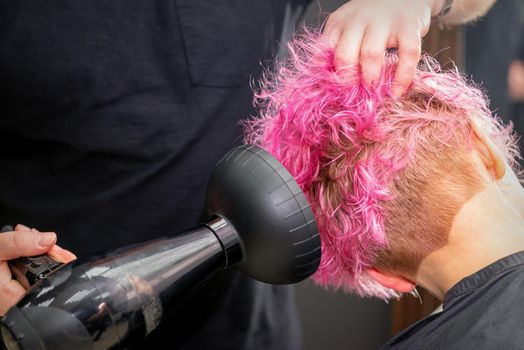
(482, 311)
(114, 114)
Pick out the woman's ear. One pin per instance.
(489, 153)
(391, 280)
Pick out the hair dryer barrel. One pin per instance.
(107, 302)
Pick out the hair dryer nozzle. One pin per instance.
(277, 228)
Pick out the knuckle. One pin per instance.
(18, 241)
(411, 51)
(371, 54)
(12, 291)
(333, 22)
(330, 23)
(403, 80)
(3, 289)
(6, 291)
(340, 59)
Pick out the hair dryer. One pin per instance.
(260, 222)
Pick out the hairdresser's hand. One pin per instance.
(24, 241)
(362, 30)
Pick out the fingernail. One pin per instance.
(46, 239)
(398, 90)
(60, 249)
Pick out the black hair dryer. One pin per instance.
(260, 221)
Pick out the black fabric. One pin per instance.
(482, 311)
(113, 116)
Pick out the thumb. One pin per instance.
(25, 243)
(60, 254)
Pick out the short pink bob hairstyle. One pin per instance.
(346, 144)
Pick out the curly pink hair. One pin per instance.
(346, 144)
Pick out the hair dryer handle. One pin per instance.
(28, 270)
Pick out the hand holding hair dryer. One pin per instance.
(259, 221)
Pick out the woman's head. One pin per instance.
(385, 176)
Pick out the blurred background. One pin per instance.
(491, 52)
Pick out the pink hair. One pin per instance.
(317, 120)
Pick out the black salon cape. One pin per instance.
(484, 311)
(113, 114)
